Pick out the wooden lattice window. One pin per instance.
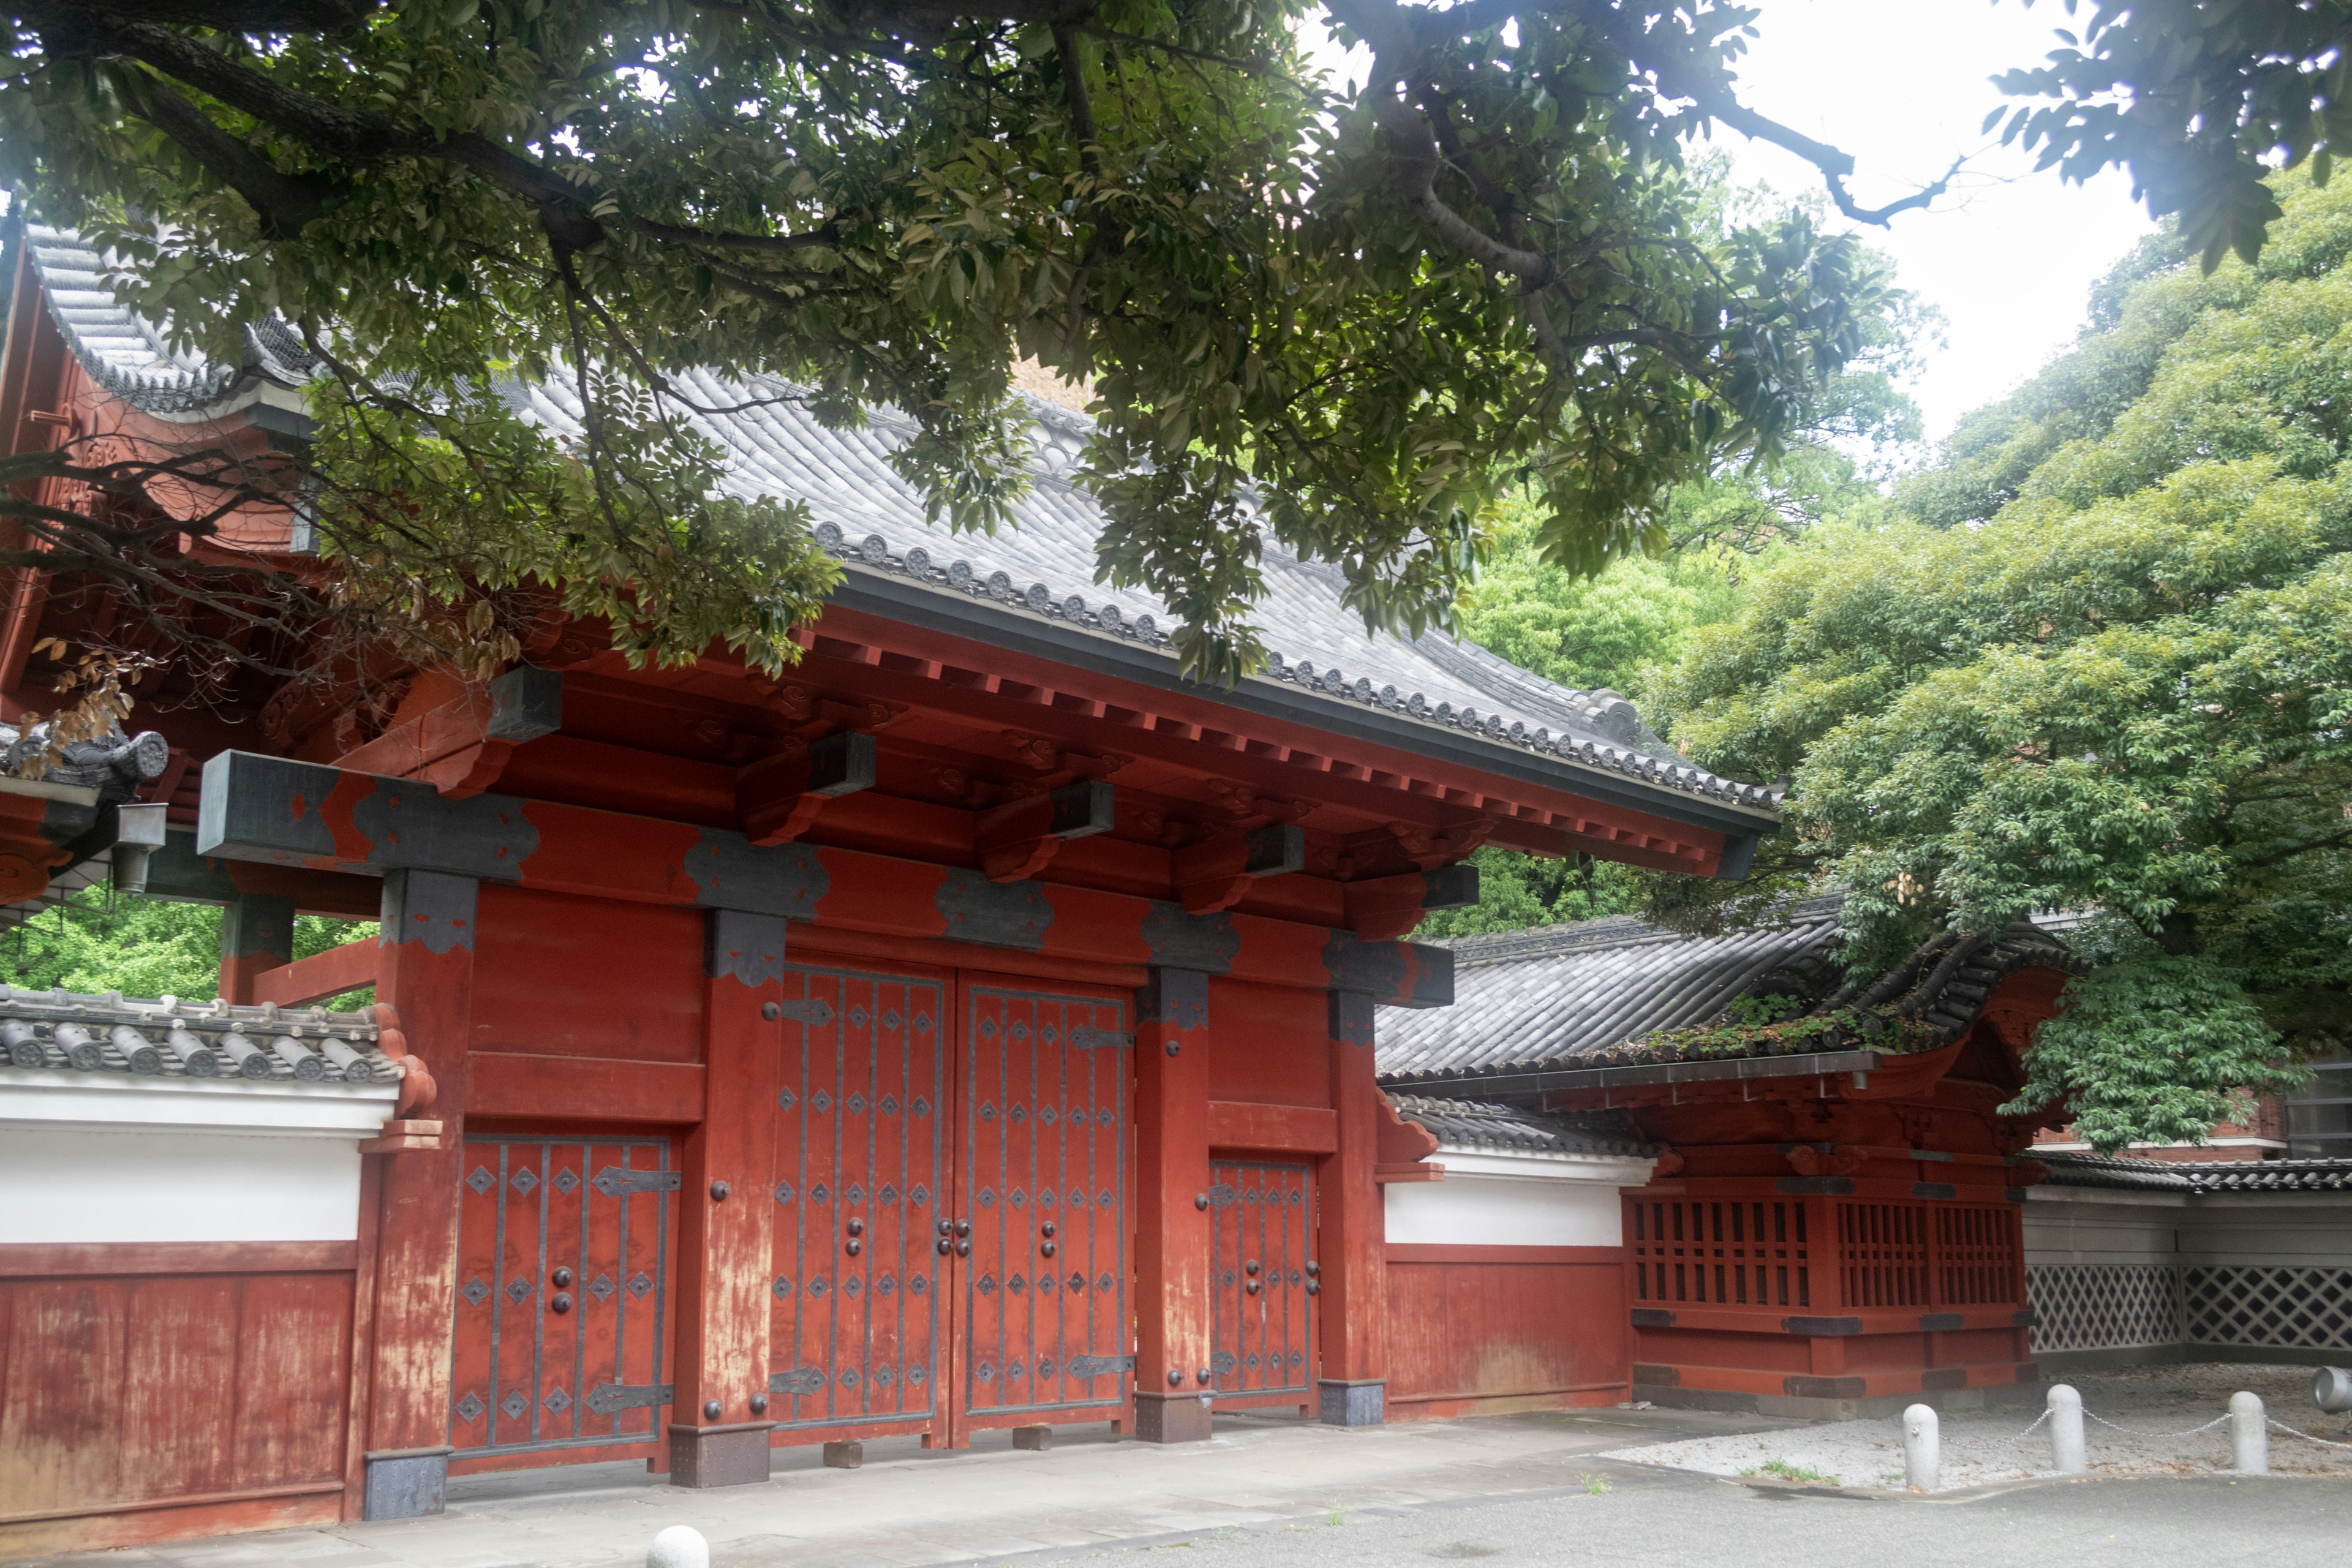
(1882, 1254)
(1726, 1253)
(1976, 1256)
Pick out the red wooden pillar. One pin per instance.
(426, 973)
(1171, 1182)
(1353, 1254)
(257, 935)
(718, 1427)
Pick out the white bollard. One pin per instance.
(2250, 1438)
(679, 1546)
(1923, 1448)
(2069, 1456)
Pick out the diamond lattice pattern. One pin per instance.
(2104, 1306)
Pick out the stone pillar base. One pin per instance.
(729, 1456)
(405, 1483)
(1034, 1439)
(848, 1456)
(1171, 1418)
(1348, 1404)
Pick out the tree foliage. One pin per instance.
(2199, 100)
(100, 941)
(1356, 319)
(2103, 664)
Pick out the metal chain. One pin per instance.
(2322, 1442)
(2137, 1432)
(2022, 1436)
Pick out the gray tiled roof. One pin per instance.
(1589, 994)
(1513, 1130)
(67, 1031)
(1422, 690)
(2071, 1169)
(2113, 1170)
(2268, 1175)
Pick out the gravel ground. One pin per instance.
(2154, 1404)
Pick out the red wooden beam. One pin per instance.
(323, 974)
(301, 814)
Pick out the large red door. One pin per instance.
(1042, 1164)
(562, 1328)
(857, 1315)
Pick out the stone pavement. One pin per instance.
(910, 1509)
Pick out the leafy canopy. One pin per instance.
(1364, 316)
(2101, 664)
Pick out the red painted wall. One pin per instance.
(1480, 1329)
(187, 1402)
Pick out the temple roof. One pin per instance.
(1426, 694)
(65, 1031)
(1600, 992)
(1470, 1124)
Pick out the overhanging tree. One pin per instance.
(1360, 318)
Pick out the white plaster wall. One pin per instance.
(88, 1157)
(79, 1186)
(1503, 1201)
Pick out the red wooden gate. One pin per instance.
(562, 1270)
(1043, 1122)
(861, 1135)
(1263, 1277)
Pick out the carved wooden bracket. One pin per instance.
(1430, 847)
(1214, 875)
(778, 798)
(462, 747)
(1018, 840)
(1383, 909)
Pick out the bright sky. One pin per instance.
(2009, 256)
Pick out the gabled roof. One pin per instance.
(1597, 993)
(1429, 695)
(1470, 1124)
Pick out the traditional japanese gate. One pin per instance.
(1263, 1277)
(563, 1270)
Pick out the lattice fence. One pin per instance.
(2301, 1308)
(2105, 1306)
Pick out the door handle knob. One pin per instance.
(963, 1227)
(963, 1250)
(946, 1247)
(853, 1246)
(560, 1279)
(562, 1303)
(1047, 1248)
(855, 1227)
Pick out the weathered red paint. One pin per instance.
(1486, 1330)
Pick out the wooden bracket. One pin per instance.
(1430, 847)
(462, 747)
(778, 798)
(1214, 875)
(1383, 909)
(1016, 840)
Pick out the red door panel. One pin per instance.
(861, 1154)
(1262, 1276)
(561, 1330)
(1042, 1124)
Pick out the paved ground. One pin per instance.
(1532, 1488)
(2142, 1421)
